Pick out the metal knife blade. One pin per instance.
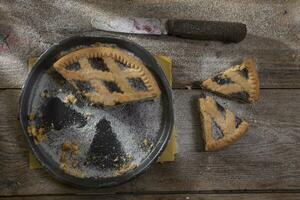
(130, 25)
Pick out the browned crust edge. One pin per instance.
(228, 140)
(253, 77)
(214, 145)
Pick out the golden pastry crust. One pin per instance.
(253, 78)
(68, 161)
(114, 74)
(225, 120)
(233, 84)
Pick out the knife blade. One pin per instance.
(190, 29)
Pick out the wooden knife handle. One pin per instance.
(207, 30)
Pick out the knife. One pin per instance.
(191, 29)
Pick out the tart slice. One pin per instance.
(108, 76)
(239, 82)
(221, 127)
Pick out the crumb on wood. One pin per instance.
(295, 56)
(188, 87)
(70, 99)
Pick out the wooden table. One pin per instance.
(265, 164)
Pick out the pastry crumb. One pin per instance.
(70, 99)
(125, 168)
(45, 94)
(70, 146)
(87, 114)
(129, 156)
(147, 143)
(37, 133)
(116, 159)
(67, 159)
(188, 87)
(31, 116)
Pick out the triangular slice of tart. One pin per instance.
(220, 126)
(239, 82)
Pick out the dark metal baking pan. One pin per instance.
(113, 144)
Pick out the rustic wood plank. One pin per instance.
(273, 39)
(265, 159)
(275, 196)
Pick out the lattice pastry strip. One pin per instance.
(108, 83)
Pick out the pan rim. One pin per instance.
(150, 159)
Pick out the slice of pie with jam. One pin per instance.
(239, 82)
(221, 127)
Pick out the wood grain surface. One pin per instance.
(273, 35)
(267, 158)
(274, 196)
(264, 164)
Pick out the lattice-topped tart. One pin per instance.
(221, 127)
(239, 82)
(107, 75)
